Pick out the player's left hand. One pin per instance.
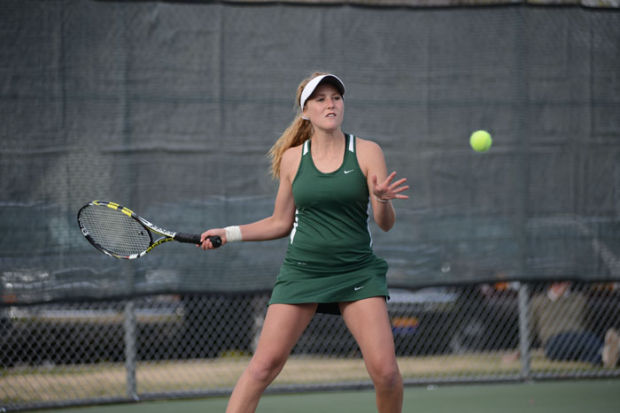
(388, 190)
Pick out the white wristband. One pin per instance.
(383, 201)
(233, 233)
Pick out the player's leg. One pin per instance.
(282, 327)
(369, 323)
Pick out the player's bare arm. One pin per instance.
(280, 223)
(381, 186)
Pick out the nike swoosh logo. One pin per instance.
(348, 172)
(357, 288)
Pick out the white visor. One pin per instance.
(311, 86)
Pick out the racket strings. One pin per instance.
(115, 231)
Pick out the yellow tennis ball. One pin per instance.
(480, 141)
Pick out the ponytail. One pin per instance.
(299, 131)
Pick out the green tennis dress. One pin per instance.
(329, 257)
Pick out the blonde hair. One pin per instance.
(299, 131)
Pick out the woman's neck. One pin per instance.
(327, 142)
(327, 151)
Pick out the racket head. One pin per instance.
(115, 230)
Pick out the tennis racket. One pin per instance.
(120, 233)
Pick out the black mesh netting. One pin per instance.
(170, 108)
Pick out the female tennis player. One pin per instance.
(327, 179)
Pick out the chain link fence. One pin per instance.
(195, 345)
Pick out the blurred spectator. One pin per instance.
(558, 317)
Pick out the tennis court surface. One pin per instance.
(592, 396)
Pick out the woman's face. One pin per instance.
(325, 109)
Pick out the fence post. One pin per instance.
(524, 330)
(129, 325)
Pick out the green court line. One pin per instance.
(590, 396)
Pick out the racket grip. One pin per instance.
(195, 239)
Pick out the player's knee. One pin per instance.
(265, 370)
(387, 377)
